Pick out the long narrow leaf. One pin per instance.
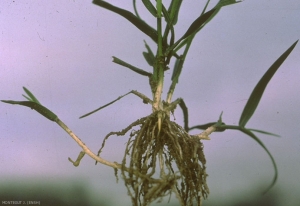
(141, 25)
(198, 23)
(149, 56)
(173, 10)
(177, 70)
(133, 68)
(150, 7)
(258, 91)
(135, 9)
(166, 15)
(31, 96)
(264, 132)
(37, 107)
(222, 3)
(248, 132)
(120, 97)
(205, 7)
(194, 27)
(29, 99)
(169, 27)
(216, 9)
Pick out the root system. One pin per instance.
(159, 163)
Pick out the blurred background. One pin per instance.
(61, 51)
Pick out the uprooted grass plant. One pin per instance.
(149, 149)
(161, 158)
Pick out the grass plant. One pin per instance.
(161, 157)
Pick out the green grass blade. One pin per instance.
(194, 27)
(222, 3)
(264, 132)
(258, 91)
(135, 9)
(205, 7)
(96, 110)
(150, 7)
(177, 70)
(29, 99)
(36, 106)
(31, 96)
(168, 20)
(169, 27)
(149, 56)
(198, 23)
(173, 10)
(140, 24)
(185, 41)
(129, 66)
(248, 132)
